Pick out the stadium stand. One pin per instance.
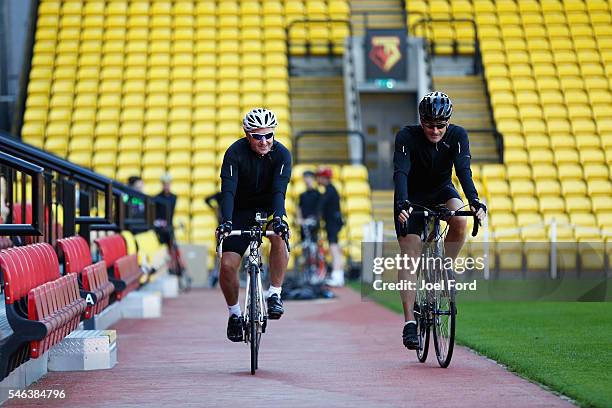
(153, 86)
(94, 277)
(123, 269)
(42, 306)
(547, 66)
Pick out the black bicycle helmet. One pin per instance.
(436, 106)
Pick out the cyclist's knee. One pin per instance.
(230, 262)
(411, 245)
(458, 225)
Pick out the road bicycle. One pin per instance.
(313, 257)
(255, 316)
(435, 306)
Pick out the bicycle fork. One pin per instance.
(261, 315)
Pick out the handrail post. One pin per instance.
(553, 248)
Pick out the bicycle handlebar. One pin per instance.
(249, 233)
(450, 213)
(440, 214)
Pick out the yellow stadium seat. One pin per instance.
(564, 156)
(596, 171)
(577, 204)
(554, 204)
(529, 218)
(104, 159)
(129, 158)
(562, 141)
(573, 187)
(518, 170)
(599, 188)
(586, 144)
(501, 203)
(547, 187)
(358, 205)
(81, 158)
(583, 219)
(525, 203)
(82, 142)
(521, 186)
(356, 188)
(592, 155)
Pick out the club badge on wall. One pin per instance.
(385, 54)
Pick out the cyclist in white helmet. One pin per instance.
(254, 176)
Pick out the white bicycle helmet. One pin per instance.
(259, 118)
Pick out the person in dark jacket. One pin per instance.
(423, 160)
(329, 211)
(254, 176)
(308, 206)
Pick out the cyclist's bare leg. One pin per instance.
(410, 245)
(228, 277)
(455, 238)
(337, 257)
(279, 258)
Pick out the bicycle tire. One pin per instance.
(444, 321)
(421, 314)
(424, 334)
(253, 301)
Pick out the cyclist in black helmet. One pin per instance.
(423, 160)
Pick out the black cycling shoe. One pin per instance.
(409, 336)
(234, 328)
(275, 307)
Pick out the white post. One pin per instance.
(380, 238)
(368, 248)
(553, 249)
(485, 225)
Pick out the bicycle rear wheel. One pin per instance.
(254, 334)
(444, 319)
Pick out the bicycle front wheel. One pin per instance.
(444, 314)
(421, 315)
(254, 334)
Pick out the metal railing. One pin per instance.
(478, 66)
(353, 97)
(15, 164)
(62, 181)
(430, 44)
(307, 43)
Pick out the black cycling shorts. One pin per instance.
(416, 224)
(332, 231)
(241, 220)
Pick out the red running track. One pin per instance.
(332, 353)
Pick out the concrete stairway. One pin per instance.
(382, 209)
(317, 103)
(471, 110)
(381, 14)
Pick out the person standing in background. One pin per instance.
(329, 211)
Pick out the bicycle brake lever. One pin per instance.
(476, 225)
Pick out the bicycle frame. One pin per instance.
(255, 315)
(312, 255)
(435, 306)
(255, 263)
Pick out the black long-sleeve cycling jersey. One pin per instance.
(422, 167)
(252, 181)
